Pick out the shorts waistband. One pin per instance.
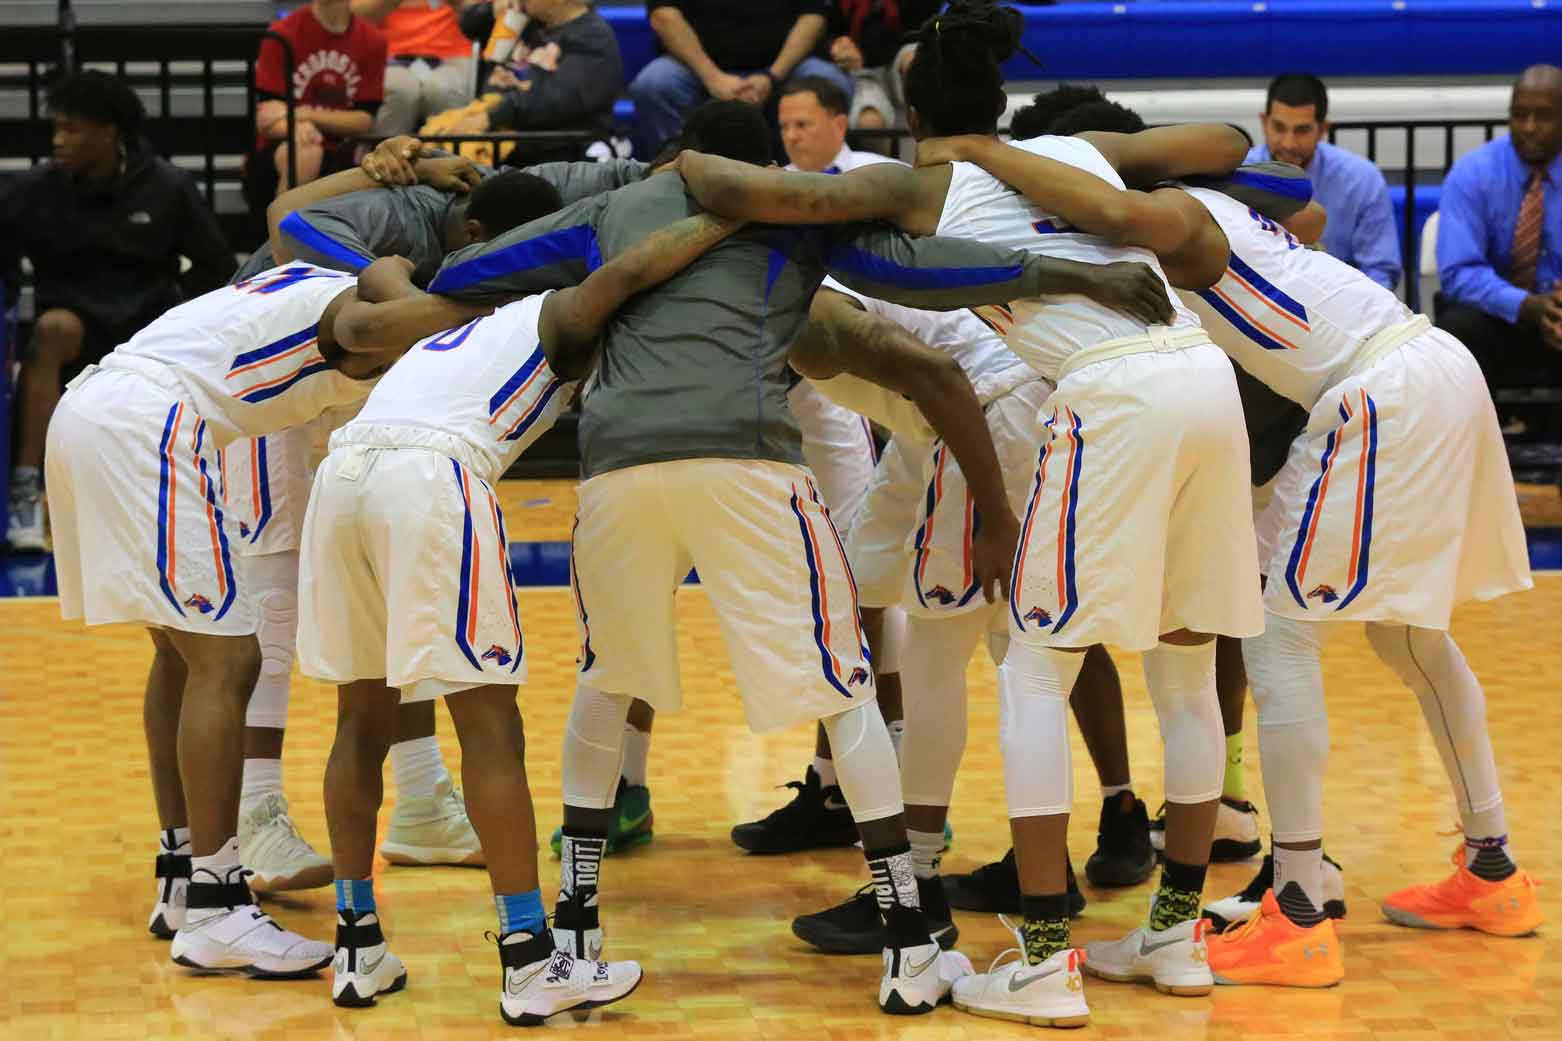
(1386, 341)
(1157, 338)
(151, 371)
(391, 435)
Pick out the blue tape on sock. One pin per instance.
(520, 912)
(355, 894)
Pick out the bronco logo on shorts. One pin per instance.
(243, 529)
(1324, 593)
(1038, 616)
(200, 603)
(941, 594)
(495, 653)
(859, 675)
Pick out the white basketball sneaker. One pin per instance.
(173, 883)
(577, 931)
(918, 979)
(432, 831)
(242, 938)
(364, 966)
(277, 856)
(1176, 960)
(1051, 994)
(1239, 907)
(1236, 832)
(540, 981)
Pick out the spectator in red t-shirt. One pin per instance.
(338, 84)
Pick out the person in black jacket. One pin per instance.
(104, 224)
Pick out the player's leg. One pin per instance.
(269, 842)
(160, 716)
(631, 823)
(224, 930)
(1123, 855)
(1487, 890)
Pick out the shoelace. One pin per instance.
(1234, 933)
(1019, 952)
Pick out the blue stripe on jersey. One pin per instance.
(1269, 289)
(307, 235)
(521, 375)
(778, 262)
(1243, 326)
(255, 397)
(556, 247)
(263, 470)
(276, 347)
(859, 262)
(536, 410)
(1298, 188)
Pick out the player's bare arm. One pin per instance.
(912, 200)
(378, 331)
(572, 319)
(1166, 153)
(843, 338)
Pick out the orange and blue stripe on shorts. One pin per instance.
(267, 371)
(1068, 507)
(942, 595)
(834, 671)
(1356, 575)
(471, 570)
(167, 518)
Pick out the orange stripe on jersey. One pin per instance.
(1260, 325)
(1276, 308)
(275, 358)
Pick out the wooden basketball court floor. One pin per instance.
(711, 924)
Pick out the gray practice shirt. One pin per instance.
(696, 368)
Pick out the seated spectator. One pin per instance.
(104, 224)
(1361, 229)
(338, 84)
(1499, 240)
(868, 41)
(429, 67)
(813, 128)
(725, 49)
(562, 74)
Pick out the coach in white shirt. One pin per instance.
(813, 113)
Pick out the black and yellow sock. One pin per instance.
(1179, 895)
(1046, 930)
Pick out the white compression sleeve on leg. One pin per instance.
(1038, 769)
(273, 582)
(933, 690)
(893, 652)
(594, 747)
(1182, 689)
(865, 762)
(1286, 677)
(1454, 706)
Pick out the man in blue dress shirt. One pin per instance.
(1361, 230)
(1499, 244)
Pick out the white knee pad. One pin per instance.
(1286, 677)
(1182, 689)
(865, 763)
(273, 583)
(594, 747)
(1452, 703)
(893, 650)
(933, 690)
(1038, 769)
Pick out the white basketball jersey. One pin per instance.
(248, 354)
(1293, 317)
(1045, 333)
(486, 382)
(987, 362)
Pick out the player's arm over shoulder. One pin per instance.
(1166, 153)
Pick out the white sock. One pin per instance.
(637, 750)
(897, 734)
(1109, 790)
(262, 777)
(418, 767)
(825, 768)
(927, 849)
(218, 868)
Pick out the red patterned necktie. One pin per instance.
(1526, 233)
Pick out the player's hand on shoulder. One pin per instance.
(1131, 288)
(448, 173)
(391, 161)
(961, 148)
(388, 278)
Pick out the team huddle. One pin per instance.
(1046, 329)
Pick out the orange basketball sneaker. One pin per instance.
(1270, 948)
(1462, 901)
